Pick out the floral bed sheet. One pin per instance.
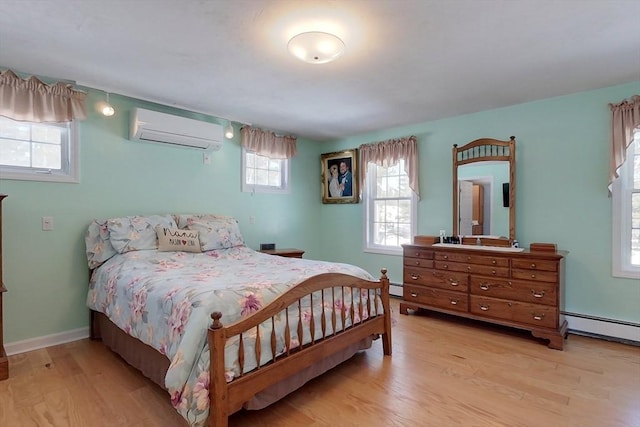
(165, 299)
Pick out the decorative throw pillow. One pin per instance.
(215, 231)
(134, 233)
(98, 244)
(175, 239)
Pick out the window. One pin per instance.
(38, 151)
(264, 175)
(626, 214)
(390, 209)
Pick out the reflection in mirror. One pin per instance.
(481, 204)
(484, 189)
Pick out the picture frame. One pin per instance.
(340, 183)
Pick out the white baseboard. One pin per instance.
(597, 327)
(46, 341)
(395, 290)
(603, 328)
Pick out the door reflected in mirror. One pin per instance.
(481, 204)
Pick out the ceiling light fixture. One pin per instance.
(228, 130)
(316, 47)
(107, 109)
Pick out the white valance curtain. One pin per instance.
(33, 100)
(625, 117)
(268, 144)
(389, 153)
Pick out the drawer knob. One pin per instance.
(414, 295)
(533, 276)
(445, 266)
(537, 294)
(417, 253)
(415, 276)
(493, 272)
(453, 282)
(484, 286)
(454, 301)
(417, 262)
(446, 257)
(493, 261)
(537, 316)
(484, 307)
(468, 258)
(533, 265)
(468, 268)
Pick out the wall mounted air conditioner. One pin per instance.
(152, 126)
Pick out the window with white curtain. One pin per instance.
(38, 151)
(263, 174)
(626, 214)
(390, 209)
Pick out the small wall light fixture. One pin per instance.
(316, 47)
(228, 130)
(107, 109)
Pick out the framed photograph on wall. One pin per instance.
(340, 177)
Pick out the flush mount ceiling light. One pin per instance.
(316, 47)
(107, 109)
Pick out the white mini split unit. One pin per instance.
(161, 128)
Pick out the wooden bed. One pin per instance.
(160, 308)
(229, 397)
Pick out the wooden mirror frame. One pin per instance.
(486, 150)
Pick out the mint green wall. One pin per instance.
(562, 156)
(45, 271)
(562, 168)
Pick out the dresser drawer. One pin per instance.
(418, 253)
(472, 259)
(533, 292)
(435, 297)
(535, 275)
(484, 270)
(418, 262)
(535, 264)
(439, 279)
(531, 314)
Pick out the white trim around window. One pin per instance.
(263, 180)
(371, 195)
(69, 171)
(625, 253)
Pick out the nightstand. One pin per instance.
(286, 252)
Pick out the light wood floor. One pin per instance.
(443, 372)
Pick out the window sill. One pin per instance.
(626, 273)
(39, 177)
(382, 251)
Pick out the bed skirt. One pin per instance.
(154, 365)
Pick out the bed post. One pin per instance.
(386, 337)
(218, 397)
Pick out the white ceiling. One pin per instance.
(406, 61)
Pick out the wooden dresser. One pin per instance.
(523, 290)
(4, 361)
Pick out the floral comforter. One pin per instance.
(165, 299)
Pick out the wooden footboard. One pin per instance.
(363, 317)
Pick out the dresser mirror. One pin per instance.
(484, 189)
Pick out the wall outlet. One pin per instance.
(47, 223)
